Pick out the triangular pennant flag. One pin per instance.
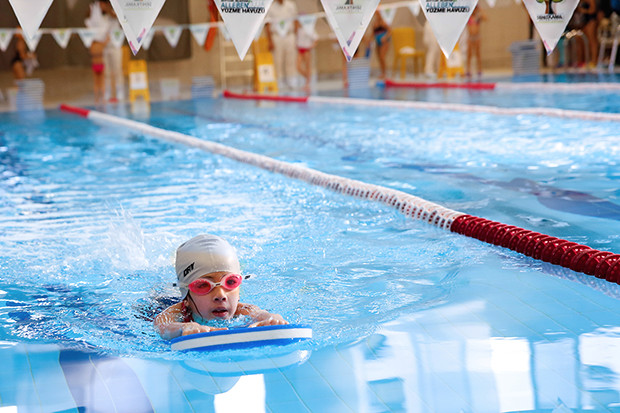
(136, 18)
(62, 36)
(172, 34)
(225, 33)
(117, 38)
(491, 3)
(5, 38)
(448, 19)
(282, 27)
(349, 19)
(243, 19)
(308, 23)
(30, 14)
(148, 39)
(414, 8)
(550, 18)
(87, 36)
(259, 31)
(388, 14)
(199, 32)
(33, 41)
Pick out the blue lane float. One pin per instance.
(244, 337)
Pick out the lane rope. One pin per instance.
(577, 257)
(405, 104)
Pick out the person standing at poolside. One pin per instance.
(473, 39)
(112, 55)
(282, 45)
(382, 34)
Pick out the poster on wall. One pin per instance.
(349, 20)
(243, 20)
(448, 20)
(136, 18)
(30, 14)
(550, 17)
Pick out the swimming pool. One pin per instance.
(406, 317)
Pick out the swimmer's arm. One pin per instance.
(260, 316)
(169, 324)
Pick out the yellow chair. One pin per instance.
(403, 39)
(138, 81)
(453, 66)
(265, 76)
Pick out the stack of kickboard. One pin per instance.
(525, 57)
(29, 95)
(202, 87)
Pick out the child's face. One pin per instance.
(219, 303)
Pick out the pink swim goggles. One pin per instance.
(203, 286)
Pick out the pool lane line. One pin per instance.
(577, 257)
(277, 98)
(440, 85)
(511, 86)
(457, 107)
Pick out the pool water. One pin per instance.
(406, 317)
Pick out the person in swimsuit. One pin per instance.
(382, 34)
(305, 43)
(209, 277)
(24, 61)
(473, 39)
(96, 55)
(588, 10)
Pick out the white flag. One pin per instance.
(550, 18)
(87, 36)
(282, 27)
(136, 18)
(117, 38)
(172, 34)
(349, 20)
(30, 14)
(62, 36)
(199, 32)
(388, 15)
(148, 39)
(448, 19)
(5, 38)
(414, 8)
(308, 23)
(33, 41)
(242, 20)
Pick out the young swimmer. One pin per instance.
(208, 275)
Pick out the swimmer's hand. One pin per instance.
(195, 328)
(260, 317)
(269, 320)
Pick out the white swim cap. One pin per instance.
(202, 255)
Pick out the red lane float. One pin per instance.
(74, 109)
(250, 96)
(577, 257)
(440, 85)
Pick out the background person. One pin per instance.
(283, 45)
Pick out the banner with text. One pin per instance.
(136, 18)
(349, 20)
(550, 18)
(448, 19)
(243, 20)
